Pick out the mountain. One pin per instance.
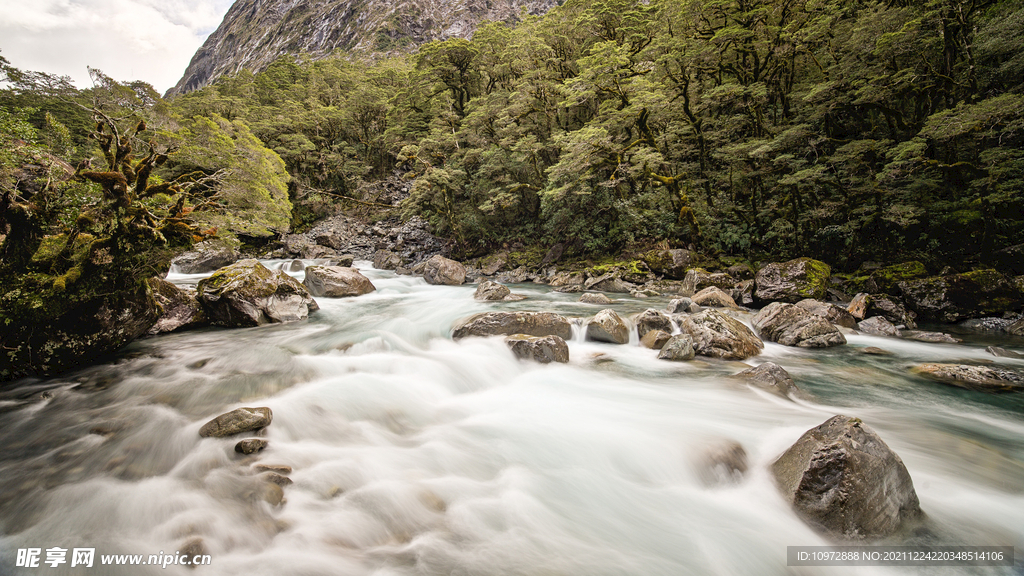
(254, 33)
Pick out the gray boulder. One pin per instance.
(237, 421)
(201, 261)
(714, 297)
(679, 305)
(247, 293)
(743, 293)
(1016, 329)
(841, 478)
(793, 281)
(608, 326)
(956, 297)
(679, 348)
(180, 309)
(791, 325)
(651, 319)
(336, 282)
(491, 291)
(720, 336)
(510, 323)
(931, 337)
(543, 349)
(595, 298)
(770, 377)
(878, 326)
(1003, 352)
(833, 313)
(444, 271)
(698, 279)
(251, 445)
(979, 378)
(655, 339)
(343, 260)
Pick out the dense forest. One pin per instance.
(848, 131)
(859, 131)
(845, 131)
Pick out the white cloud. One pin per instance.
(150, 40)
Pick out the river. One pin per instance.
(413, 454)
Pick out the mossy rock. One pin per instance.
(635, 271)
(793, 281)
(529, 257)
(52, 333)
(886, 280)
(247, 293)
(957, 297)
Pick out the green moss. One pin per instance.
(625, 267)
(886, 279)
(530, 257)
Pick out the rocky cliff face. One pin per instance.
(254, 33)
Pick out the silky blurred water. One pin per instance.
(416, 455)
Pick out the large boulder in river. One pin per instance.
(958, 297)
(878, 326)
(698, 279)
(720, 336)
(793, 281)
(670, 263)
(980, 378)
(247, 293)
(608, 326)
(181, 309)
(678, 348)
(595, 298)
(444, 271)
(655, 339)
(509, 323)
(770, 377)
(204, 259)
(714, 297)
(491, 291)
(543, 349)
(237, 421)
(336, 282)
(791, 325)
(867, 305)
(832, 312)
(651, 319)
(841, 478)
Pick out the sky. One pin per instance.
(149, 40)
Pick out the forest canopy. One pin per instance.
(846, 131)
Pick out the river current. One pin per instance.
(413, 454)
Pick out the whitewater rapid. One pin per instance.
(413, 454)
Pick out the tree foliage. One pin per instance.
(765, 128)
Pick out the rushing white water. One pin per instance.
(414, 454)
